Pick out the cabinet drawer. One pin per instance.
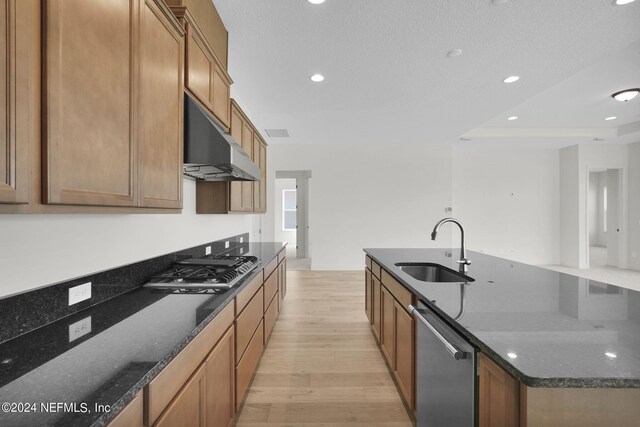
(270, 289)
(376, 269)
(131, 415)
(163, 388)
(269, 268)
(243, 298)
(281, 255)
(248, 363)
(247, 322)
(367, 261)
(397, 290)
(270, 316)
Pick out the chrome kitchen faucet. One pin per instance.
(463, 261)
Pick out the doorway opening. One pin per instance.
(292, 217)
(604, 218)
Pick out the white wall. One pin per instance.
(280, 234)
(569, 206)
(602, 235)
(634, 206)
(507, 198)
(368, 196)
(38, 250)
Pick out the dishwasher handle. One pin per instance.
(455, 352)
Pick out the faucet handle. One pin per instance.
(464, 261)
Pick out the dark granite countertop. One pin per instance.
(133, 337)
(548, 329)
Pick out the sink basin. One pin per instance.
(429, 272)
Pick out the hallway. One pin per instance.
(322, 365)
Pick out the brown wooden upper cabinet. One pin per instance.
(113, 104)
(17, 70)
(206, 75)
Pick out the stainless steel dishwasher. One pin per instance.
(446, 373)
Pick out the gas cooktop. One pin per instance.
(210, 272)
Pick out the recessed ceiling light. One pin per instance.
(626, 95)
(512, 355)
(511, 79)
(316, 1)
(512, 118)
(621, 2)
(455, 52)
(610, 118)
(317, 77)
(611, 355)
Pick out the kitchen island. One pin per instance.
(90, 367)
(571, 346)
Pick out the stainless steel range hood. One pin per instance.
(211, 154)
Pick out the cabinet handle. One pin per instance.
(452, 349)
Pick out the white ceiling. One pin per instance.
(389, 80)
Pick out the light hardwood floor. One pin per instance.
(321, 366)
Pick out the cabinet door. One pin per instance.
(200, 67)
(188, 407)
(15, 71)
(256, 184)
(367, 293)
(220, 382)
(221, 94)
(89, 102)
(131, 415)
(499, 396)
(263, 178)
(405, 353)
(376, 308)
(236, 126)
(161, 110)
(387, 337)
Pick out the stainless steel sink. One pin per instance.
(429, 272)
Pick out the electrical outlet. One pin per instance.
(226, 244)
(207, 250)
(79, 329)
(241, 239)
(79, 293)
(241, 250)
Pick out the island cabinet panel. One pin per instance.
(282, 279)
(367, 293)
(89, 106)
(188, 407)
(131, 415)
(220, 382)
(405, 370)
(270, 316)
(579, 407)
(17, 71)
(376, 308)
(387, 336)
(499, 404)
(160, 145)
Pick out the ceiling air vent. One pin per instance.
(277, 133)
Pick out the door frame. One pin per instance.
(622, 214)
(302, 209)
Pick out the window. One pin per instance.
(604, 202)
(289, 207)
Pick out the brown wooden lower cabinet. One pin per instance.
(367, 293)
(499, 404)
(387, 336)
(132, 415)
(405, 371)
(248, 363)
(282, 279)
(247, 322)
(270, 316)
(188, 407)
(220, 382)
(376, 308)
